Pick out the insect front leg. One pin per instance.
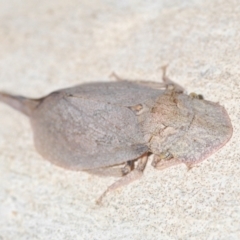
(169, 84)
(164, 160)
(116, 77)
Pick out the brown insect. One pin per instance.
(97, 127)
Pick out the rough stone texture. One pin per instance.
(46, 45)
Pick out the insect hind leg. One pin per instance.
(113, 171)
(128, 178)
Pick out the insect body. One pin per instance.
(95, 127)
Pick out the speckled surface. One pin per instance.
(47, 45)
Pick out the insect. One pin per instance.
(105, 128)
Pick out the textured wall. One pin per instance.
(46, 45)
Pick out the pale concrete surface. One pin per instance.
(46, 45)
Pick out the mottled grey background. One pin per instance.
(46, 45)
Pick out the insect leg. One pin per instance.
(164, 160)
(128, 167)
(130, 177)
(169, 83)
(116, 77)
